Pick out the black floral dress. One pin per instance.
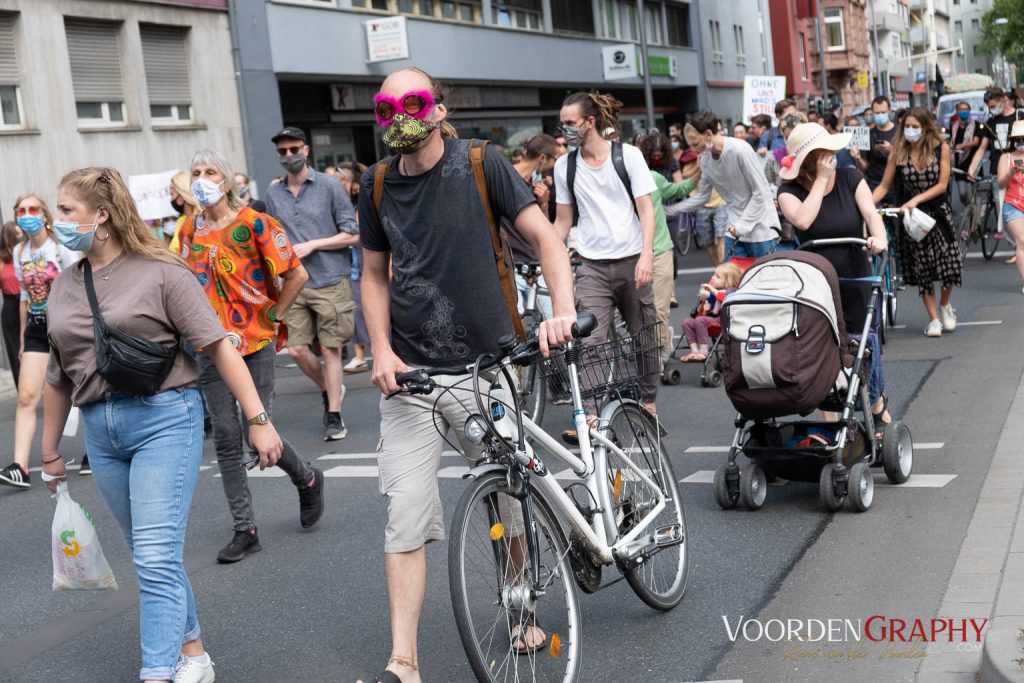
(936, 258)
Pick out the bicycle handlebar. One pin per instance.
(843, 241)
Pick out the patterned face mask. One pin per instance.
(405, 133)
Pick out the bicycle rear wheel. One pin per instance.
(988, 226)
(965, 229)
(661, 580)
(494, 591)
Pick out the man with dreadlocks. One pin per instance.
(608, 187)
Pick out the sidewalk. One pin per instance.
(988, 578)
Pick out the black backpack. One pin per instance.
(620, 168)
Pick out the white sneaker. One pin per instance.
(934, 329)
(194, 669)
(356, 365)
(948, 316)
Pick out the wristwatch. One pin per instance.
(260, 419)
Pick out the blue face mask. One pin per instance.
(881, 119)
(68, 235)
(675, 145)
(964, 115)
(31, 224)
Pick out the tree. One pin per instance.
(1004, 39)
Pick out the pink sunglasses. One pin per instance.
(415, 103)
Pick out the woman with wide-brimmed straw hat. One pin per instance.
(823, 203)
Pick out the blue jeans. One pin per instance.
(145, 453)
(876, 381)
(750, 249)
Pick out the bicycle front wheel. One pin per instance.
(965, 229)
(502, 607)
(988, 226)
(661, 580)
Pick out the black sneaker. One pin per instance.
(335, 429)
(311, 500)
(85, 470)
(244, 543)
(14, 475)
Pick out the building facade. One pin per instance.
(307, 63)
(889, 24)
(136, 85)
(929, 37)
(737, 39)
(792, 36)
(844, 39)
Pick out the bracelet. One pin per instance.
(47, 462)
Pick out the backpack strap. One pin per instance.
(378, 182)
(620, 167)
(499, 242)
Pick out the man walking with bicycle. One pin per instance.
(424, 212)
(609, 186)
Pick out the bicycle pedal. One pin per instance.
(668, 535)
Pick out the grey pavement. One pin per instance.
(312, 605)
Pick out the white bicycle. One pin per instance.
(521, 540)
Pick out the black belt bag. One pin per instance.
(130, 364)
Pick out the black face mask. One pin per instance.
(179, 207)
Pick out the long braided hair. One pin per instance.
(604, 108)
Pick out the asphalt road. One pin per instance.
(312, 605)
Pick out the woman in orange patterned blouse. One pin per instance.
(238, 256)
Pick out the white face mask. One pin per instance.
(206, 192)
(912, 134)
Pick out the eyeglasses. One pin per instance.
(285, 151)
(416, 103)
(28, 210)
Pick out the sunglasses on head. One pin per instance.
(285, 151)
(415, 103)
(28, 210)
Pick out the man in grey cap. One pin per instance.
(321, 225)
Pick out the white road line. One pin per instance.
(694, 271)
(370, 471)
(725, 449)
(920, 481)
(980, 322)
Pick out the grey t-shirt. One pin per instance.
(321, 210)
(143, 297)
(446, 299)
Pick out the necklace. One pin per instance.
(110, 267)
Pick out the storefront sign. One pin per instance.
(619, 62)
(662, 66)
(760, 93)
(152, 194)
(861, 137)
(386, 39)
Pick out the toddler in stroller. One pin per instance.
(696, 328)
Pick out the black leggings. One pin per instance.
(10, 321)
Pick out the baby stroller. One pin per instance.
(787, 353)
(711, 369)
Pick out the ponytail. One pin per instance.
(603, 107)
(440, 91)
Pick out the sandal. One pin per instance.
(571, 438)
(518, 644)
(390, 676)
(880, 433)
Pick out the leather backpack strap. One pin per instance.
(378, 182)
(502, 255)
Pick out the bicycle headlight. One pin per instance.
(476, 429)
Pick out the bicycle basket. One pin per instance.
(607, 366)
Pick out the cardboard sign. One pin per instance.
(861, 137)
(152, 194)
(760, 93)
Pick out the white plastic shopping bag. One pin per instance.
(918, 224)
(78, 561)
(71, 426)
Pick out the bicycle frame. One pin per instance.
(600, 536)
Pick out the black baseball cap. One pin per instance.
(290, 132)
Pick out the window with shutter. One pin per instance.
(96, 70)
(10, 100)
(165, 60)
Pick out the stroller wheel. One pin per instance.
(753, 486)
(725, 495)
(714, 379)
(897, 452)
(672, 377)
(861, 487)
(827, 489)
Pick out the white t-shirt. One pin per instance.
(608, 226)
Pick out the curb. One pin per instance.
(1002, 646)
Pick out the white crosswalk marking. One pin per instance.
(919, 481)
